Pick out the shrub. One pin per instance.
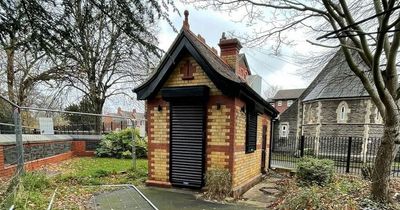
(315, 171)
(119, 145)
(218, 184)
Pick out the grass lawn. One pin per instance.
(76, 181)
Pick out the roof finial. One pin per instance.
(223, 35)
(186, 21)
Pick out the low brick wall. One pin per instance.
(41, 150)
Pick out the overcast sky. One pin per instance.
(280, 70)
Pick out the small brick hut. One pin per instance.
(202, 114)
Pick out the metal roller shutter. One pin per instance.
(187, 144)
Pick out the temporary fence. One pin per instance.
(31, 138)
(350, 154)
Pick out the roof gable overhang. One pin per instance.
(183, 46)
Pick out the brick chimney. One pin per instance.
(230, 51)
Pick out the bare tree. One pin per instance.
(271, 91)
(104, 60)
(22, 26)
(368, 33)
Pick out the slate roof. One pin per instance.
(216, 62)
(219, 72)
(336, 80)
(288, 94)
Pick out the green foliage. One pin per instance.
(218, 184)
(342, 193)
(28, 191)
(102, 171)
(119, 145)
(315, 171)
(85, 106)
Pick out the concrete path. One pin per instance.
(265, 193)
(163, 199)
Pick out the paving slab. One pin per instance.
(173, 199)
(163, 199)
(125, 198)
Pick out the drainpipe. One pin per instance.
(271, 138)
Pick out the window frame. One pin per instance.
(286, 125)
(251, 140)
(279, 103)
(289, 102)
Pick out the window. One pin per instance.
(289, 103)
(279, 103)
(378, 117)
(251, 129)
(342, 112)
(284, 130)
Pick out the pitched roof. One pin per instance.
(220, 73)
(336, 80)
(288, 94)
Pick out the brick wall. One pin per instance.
(158, 141)
(38, 155)
(247, 167)
(199, 77)
(225, 134)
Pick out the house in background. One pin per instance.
(116, 124)
(203, 115)
(335, 104)
(283, 99)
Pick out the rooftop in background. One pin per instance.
(288, 94)
(336, 80)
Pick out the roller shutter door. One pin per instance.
(187, 144)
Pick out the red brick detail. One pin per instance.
(187, 70)
(158, 183)
(79, 149)
(35, 164)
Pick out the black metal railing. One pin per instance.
(350, 154)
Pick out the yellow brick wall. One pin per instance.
(160, 127)
(200, 77)
(160, 168)
(218, 125)
(246, 166)
(217, 160)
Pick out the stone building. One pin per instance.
(335, 104)
(283, 99)
(202, 115)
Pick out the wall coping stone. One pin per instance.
(9, 139)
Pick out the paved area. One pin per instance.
(124, 198)
(163, 199)
(175, 199)
(265, 193)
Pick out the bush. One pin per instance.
(119, 145)
(218, 184)
(315, 171)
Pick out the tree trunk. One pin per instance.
(10, 73)
(383, 162)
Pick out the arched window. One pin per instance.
(284, 130)
(342, 112)
(378, 117)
